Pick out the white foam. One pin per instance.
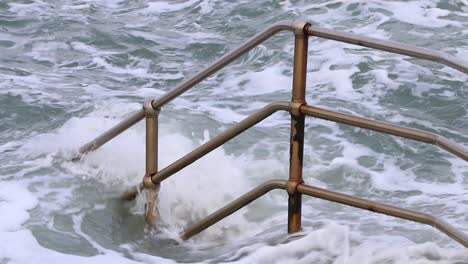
(215, 180)
(322, 245)
(206, 8)
(391, 177)
(80, 46)
(48, 50)
(140, 70)
(400, 252)
(35, 7)
(190, 195)
(267, 81)
(21, 247)
(18, 243)
(15, 201)
(423, 13)
(164, 7)
(336, 244)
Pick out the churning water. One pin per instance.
(71, 69)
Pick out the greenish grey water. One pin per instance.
(71, 69)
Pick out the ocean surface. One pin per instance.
(69, 70)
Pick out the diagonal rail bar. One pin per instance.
(394, 47)
(220, 140)
(232, 207)
(298, 109)
(183, 87)
(111, 133)
(386, 128)
(223, 61)
(390, 46)
(385, 209)
(210, 146)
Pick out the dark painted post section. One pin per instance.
(297, 126)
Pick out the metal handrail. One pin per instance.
(185, 86)
(320, 193)
(298, 109)
(220, 140)
(232, 207)
(414, 134)
(385, 209)
(389, 46)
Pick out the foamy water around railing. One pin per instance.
(298, 109)
(102, 59)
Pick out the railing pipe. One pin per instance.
(180, 89)
(223, 61)
(385, 209)
(232, 207)
(390, 46)
(296, 145)
(386, 128)
(219, 140)
(152, 190)
(113, 132)
(209, 146)
(297, 108)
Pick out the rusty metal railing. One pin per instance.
(298, 109)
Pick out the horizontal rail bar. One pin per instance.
(183, 87)
(113, 132)
(219, 140)
(232, 207)
(385, 209)
(386, 128)
(390, 46)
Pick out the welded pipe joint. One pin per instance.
(291, 186)
(295, 108)
(301, 27)
(148, 182)
(150, 112)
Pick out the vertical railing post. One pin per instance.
(152, 190)
(297, 126)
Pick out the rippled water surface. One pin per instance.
(71, 69)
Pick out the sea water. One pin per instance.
(71, 69)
